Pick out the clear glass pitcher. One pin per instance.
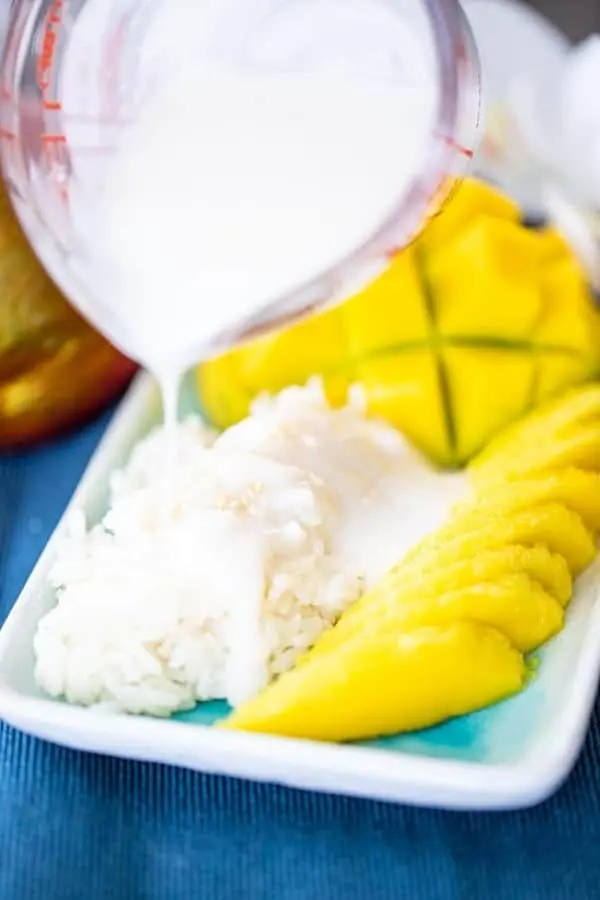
(75, 72)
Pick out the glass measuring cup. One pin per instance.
(77, 72)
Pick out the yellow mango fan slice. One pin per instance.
(382, 683)
(557, 419)
(576, 489)
(579, 449)
(550, 524)
(403, 584)
(515, 605)
(548, 569)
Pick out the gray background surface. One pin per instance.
(577, 18)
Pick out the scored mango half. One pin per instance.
(476, 323)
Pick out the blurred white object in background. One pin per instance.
(542, 120)
(577, 122)
(520, 51)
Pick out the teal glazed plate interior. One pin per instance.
(511, 755)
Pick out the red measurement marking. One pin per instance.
(54, 149)
(47, 56)
(54, 139)
(54, 145)
(6, 135)
(450, 142)
(5, 94)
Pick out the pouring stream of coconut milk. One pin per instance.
(250, 173)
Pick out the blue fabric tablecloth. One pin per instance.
(80, 827)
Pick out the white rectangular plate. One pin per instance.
(514, 754)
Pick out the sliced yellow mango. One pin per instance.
(227, 385)
(403, 585)
(550, 524)
(569, 322)
(556, 418)
(316, 344)
(568, 319)
(549, 569)
(220, 391)
(515, 605)
(576, 489)
(487, 388)
(390, 313)
(580, 450)
(382, 683)
(404, 389)
(553, 244)
(503, 260)
(468, 200)
(557, 370)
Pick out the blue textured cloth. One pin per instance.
(80, 827)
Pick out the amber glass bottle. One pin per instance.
(55, 370)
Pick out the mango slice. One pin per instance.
(403, 389)
(576, 489)
(503, 259)
(407, 585)
(515, 605)
(370, 320)
(569, 321)
(513, 568)
(557, 370)
(225, 406)
(384, 683)
(468, 200)
(490, 388)
(580, 449)
(316, 344)
(558, 418)
(550, 524)
(548, 569)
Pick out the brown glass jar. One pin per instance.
(56, 371)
